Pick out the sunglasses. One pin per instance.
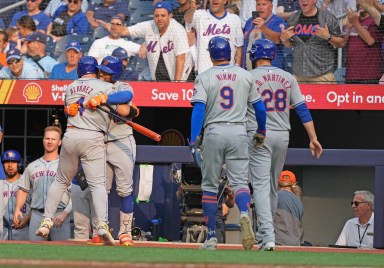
(73, 1)
(10, 62)
(357, 203)
(116, 23)
(33, 1)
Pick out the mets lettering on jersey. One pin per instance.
(43, 173)
(211, 30)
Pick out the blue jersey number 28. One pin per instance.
(279, 98)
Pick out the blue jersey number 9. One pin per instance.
(226, 93)
(279, 99)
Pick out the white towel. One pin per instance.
(145, 183)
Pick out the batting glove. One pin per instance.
(259, 138)
(97, 100)
(71, 109)
(196, 151)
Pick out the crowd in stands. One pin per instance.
(310, 36)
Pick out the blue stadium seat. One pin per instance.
(100, 32)
(50, 46)
(84, 40)
(340, 75)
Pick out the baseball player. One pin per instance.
(220, 99)
(84, 143)
(167, 44)
(11, 161)
(279, 91)
(215, 22)
(36, 180)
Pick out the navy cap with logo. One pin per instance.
(37, 36)
(13, 54)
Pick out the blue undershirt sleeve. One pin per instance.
(120, 97)
(303, 113)
(197, 120)
(261, 115)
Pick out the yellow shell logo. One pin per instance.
(32, 92)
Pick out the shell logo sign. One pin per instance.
(32, 92)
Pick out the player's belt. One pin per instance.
(41, 210)
(229, 123)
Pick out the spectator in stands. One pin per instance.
(358, 231)
(13, 39)
(129, 73)
(3, 45)
(68, 69)
(36, 53)
(285, 8)
(104, 46)
(289, 212)
(41, 19)
(374, 11)
(266, 26)
(25, 26)
(18, 68)
(53, 5)
(167, 44)
(68, 20)
(106, 10)
(337, 8)
(363, 41)
(313, 33)
(212, 22)
(179, 12)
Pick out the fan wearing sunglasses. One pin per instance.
(19, 69)
(41, 19)
(68, 19)
(358, 232)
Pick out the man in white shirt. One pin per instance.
(105, 46)
(358, 232)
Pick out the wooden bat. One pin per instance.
(139, 128)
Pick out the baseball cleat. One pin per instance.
(269, 246)
(126, 240)
(104, 233)
(210, 244)
(95, 241)
(247, 232)
(44, 228)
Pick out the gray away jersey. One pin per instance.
(226, 91)
(279, 90)
(9, 195)
(118, 129)
(81, 91)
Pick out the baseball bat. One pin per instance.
(139, 128)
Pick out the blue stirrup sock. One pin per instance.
(126, 204)
(243, 200)
(209, 201)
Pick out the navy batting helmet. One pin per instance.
(120, 53)
(11, 155)
(113, 66)
(262, 49)
(219, 48)
(87, 65)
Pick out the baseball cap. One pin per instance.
(163, 4)
(120, 53)
(287, 176)
(13, 54)
(37, 36)
(117, 17)
(73, 45)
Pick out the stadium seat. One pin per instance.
(50, 46)
(84, 40)
(340, 75)
(100, 32)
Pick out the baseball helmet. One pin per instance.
(120, 53)
(219, 48)
(13, 156)
(113, 66)
(87, 65)
(262, 49)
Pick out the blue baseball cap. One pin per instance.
(13, 54)
(73, 45)
(37, 36)
(163, 4)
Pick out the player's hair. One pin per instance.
(295, 188)
(53, 128)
